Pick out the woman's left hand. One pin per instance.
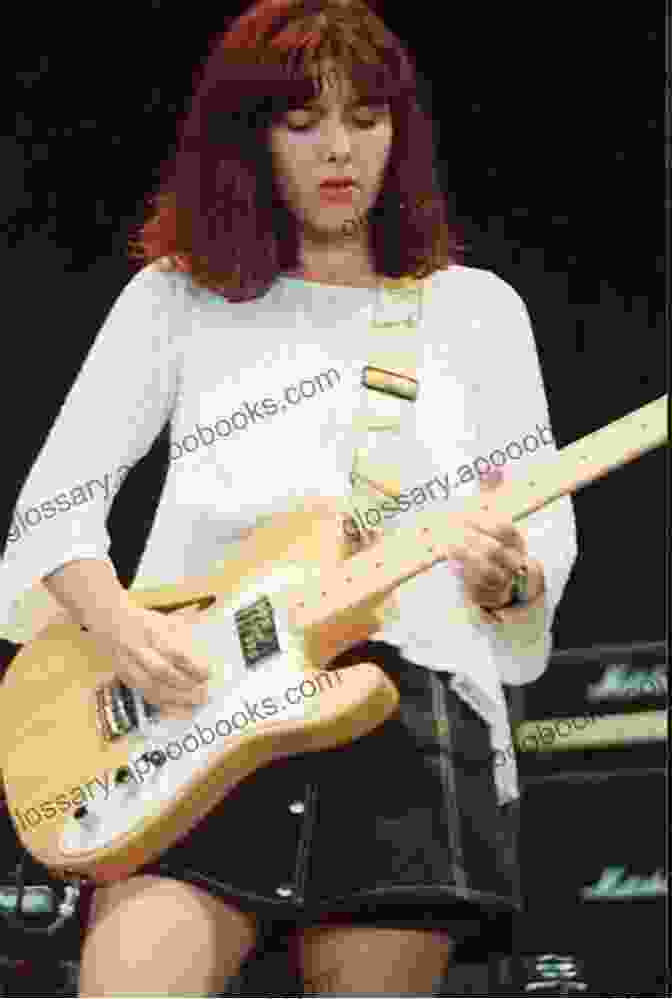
(490, 562)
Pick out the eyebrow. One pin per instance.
(358, 102)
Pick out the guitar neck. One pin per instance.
(414, 549)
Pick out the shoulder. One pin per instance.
(156, 279)
(164, 284)
(152, 304)
(176, 271)
(165, 272)
(487, 288)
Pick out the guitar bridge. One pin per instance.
(118, 710)
(255, 638)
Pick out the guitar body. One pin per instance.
(61, 705)
(278, 609)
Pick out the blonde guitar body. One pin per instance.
(58, 694)
(98, 784)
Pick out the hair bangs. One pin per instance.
(217, 213)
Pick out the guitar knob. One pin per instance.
(122, 776)
(157, 757)
(86, 819)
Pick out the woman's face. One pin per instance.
(334, 136)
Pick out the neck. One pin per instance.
(329, 277)
(374, 573)
(344, 260)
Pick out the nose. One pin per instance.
(335, 140)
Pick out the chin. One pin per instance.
(346, 224)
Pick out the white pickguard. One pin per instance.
(234, 689)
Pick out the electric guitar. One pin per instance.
(99, 784)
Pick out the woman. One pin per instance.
(384, 854)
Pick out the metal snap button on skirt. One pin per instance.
(401, 826)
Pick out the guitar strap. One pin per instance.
(389, 391)
(390, 388)
(385, 417)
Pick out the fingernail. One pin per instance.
(456, 567)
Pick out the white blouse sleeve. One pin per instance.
(121, 399)
(513, 415)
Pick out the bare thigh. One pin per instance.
(155, 936)
(356, 960)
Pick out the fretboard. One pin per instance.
(415, 548)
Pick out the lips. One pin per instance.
(335, 185)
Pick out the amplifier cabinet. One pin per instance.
(594, 868)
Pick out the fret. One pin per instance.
(413, 549)
(366, 575)
(578, 464)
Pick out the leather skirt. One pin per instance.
(398, 828)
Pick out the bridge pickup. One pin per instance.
(117, 710)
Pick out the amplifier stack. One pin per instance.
(593, 765)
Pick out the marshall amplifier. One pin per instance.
(594, 875)
(603, 708)
(592, 757)
(601, 680)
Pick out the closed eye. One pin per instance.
(362, 117)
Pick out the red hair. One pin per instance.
(217, 211)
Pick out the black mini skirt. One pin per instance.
(398, 828)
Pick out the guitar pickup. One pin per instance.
(257, 632)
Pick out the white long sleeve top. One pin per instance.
(260, 397)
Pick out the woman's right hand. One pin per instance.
(154, 654)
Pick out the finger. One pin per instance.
(139, 679)
(160, 698)
(369, 537)
(484, 547)
(501, 530)
(482, 574)
(488, 563)
(177, 649)
(132, 674)
(137, 676)
(162, 673)
(177, 711)
(190, 613)
(507, 559)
